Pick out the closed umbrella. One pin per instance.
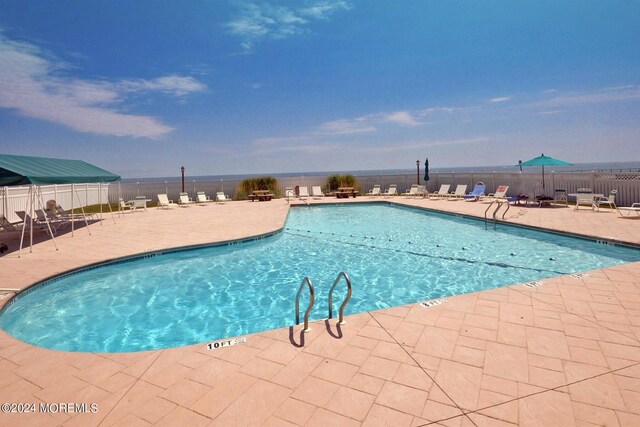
(426, 170)
(545, 161)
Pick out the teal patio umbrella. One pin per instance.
(426, 170)
(545, 161)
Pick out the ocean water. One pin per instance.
(579, 167)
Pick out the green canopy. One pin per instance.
(25, 170)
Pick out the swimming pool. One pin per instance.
(394, 256)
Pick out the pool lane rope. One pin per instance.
(309, 235)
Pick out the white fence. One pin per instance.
(626, 183)
(14, 199)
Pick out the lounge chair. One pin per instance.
(421, 191)
(560, 196)
(391, 191)
(412, 191)
(316, 192)
(122, 206)
(202, 199)
(501, 193)
(461, 190)
(633, 208)
(164, 202)
(303, 192)
(54, 221)
(375, 191)
(184, 200)
(72, 216)
(442, 192)
(476, 193)
(221, 197)
(28, 222)
(608, 201)
(6, 225)
(584, 199)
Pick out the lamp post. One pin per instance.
(418, 172)
(194, 188)
(182, 170)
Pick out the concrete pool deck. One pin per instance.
(564, 353)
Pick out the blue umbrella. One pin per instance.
(426, 170)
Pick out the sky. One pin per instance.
(256, 87)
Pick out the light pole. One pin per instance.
(194, 188)
(182, 170)
(166, 188)
(418, 172)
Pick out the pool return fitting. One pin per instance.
(312, 299)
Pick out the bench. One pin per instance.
(261, 196)
(346, 192)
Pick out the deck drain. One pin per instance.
(580, 275)
(433, 303)
(225, 343)
(533, 284)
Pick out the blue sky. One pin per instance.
(236, 87)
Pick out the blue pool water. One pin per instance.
(394, 256)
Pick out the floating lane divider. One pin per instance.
(433, 303)
(225, 343)
(309, 235)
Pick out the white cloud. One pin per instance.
(345, 127)
(500, 99)
(32, 82)
(259, 21)
(619, 94)
(404, 118)
(173, 85)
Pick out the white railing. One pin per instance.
(530, 183)
(14, 199)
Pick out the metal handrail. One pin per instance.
(485, 213)
(346, 300)
(312, 299)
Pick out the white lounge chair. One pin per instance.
(184, 200)
(500, 194)
(442, 192)
(391, 191)
(375, 191)
(303, 192)
(421, 191)
(202, 199)
(629, 209)
(608, 201)
(164, 202)
(316, 192)
(584, 199)
(122, 206)
(560, 196)
(459, 193)
(221, 197)
(412, 191)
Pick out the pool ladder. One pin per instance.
(495, 212)
(312, 299)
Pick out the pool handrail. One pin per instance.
(346, 300)
(312, 299)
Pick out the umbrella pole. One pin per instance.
(543, 190)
